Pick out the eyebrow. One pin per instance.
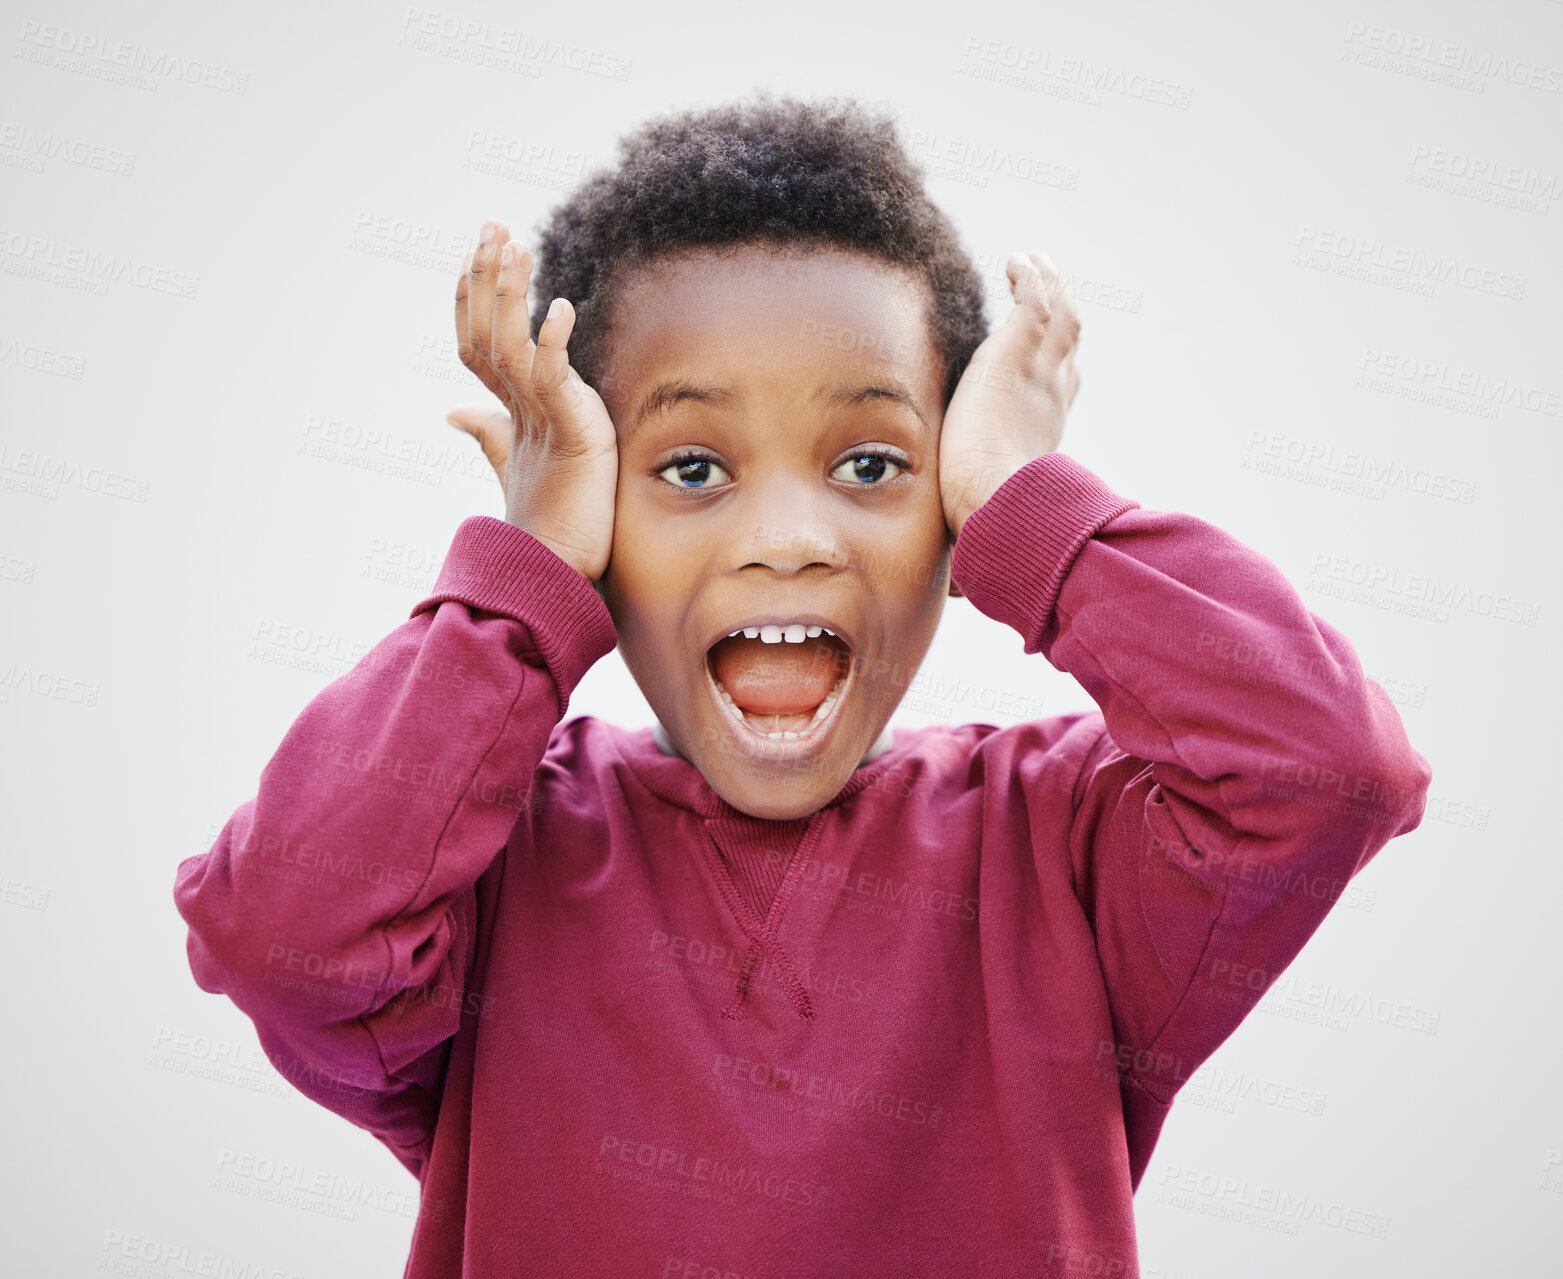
(665, 394)
(847, 396)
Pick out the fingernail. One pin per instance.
(489, 230)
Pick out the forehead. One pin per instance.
(754, 314)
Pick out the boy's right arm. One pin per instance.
(337, 908)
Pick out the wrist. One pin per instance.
(971, 484)
(1022, 544)
(565, 541)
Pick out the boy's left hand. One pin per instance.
(1009, 405)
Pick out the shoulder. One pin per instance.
(581, 738)
(582, 748)
(940, 762)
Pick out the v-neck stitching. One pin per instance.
(764, 941)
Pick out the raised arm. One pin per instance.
(338, 908)
(1247, 771)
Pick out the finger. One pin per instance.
(480, 301)
(558, 387)
(1033, 308)
(551, 364)
(1063, 323)
(464, 348)
(1043, 308)
(511, 348)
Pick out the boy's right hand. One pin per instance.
(560, 463)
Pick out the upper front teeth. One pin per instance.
(792, 633)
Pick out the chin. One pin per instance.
(783, 795)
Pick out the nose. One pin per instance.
(786, 530)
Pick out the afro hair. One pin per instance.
(787, 174)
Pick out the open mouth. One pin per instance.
(780, 680)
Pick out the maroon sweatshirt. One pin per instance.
(617, 1027)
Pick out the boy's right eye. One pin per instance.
(694, 472)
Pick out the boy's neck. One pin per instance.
(886, 740)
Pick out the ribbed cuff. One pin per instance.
(1015, 550)
(499, 568)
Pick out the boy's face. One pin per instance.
(750, 391)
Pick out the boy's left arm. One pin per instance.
(1246, 759)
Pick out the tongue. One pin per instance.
(778, 679)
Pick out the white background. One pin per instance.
(149, 654)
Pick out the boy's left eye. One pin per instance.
(868, 468)
(694, 472)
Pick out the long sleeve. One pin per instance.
(338, 908)
(1248, 769)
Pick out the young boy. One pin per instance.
(771, 990)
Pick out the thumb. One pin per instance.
(491, 428)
